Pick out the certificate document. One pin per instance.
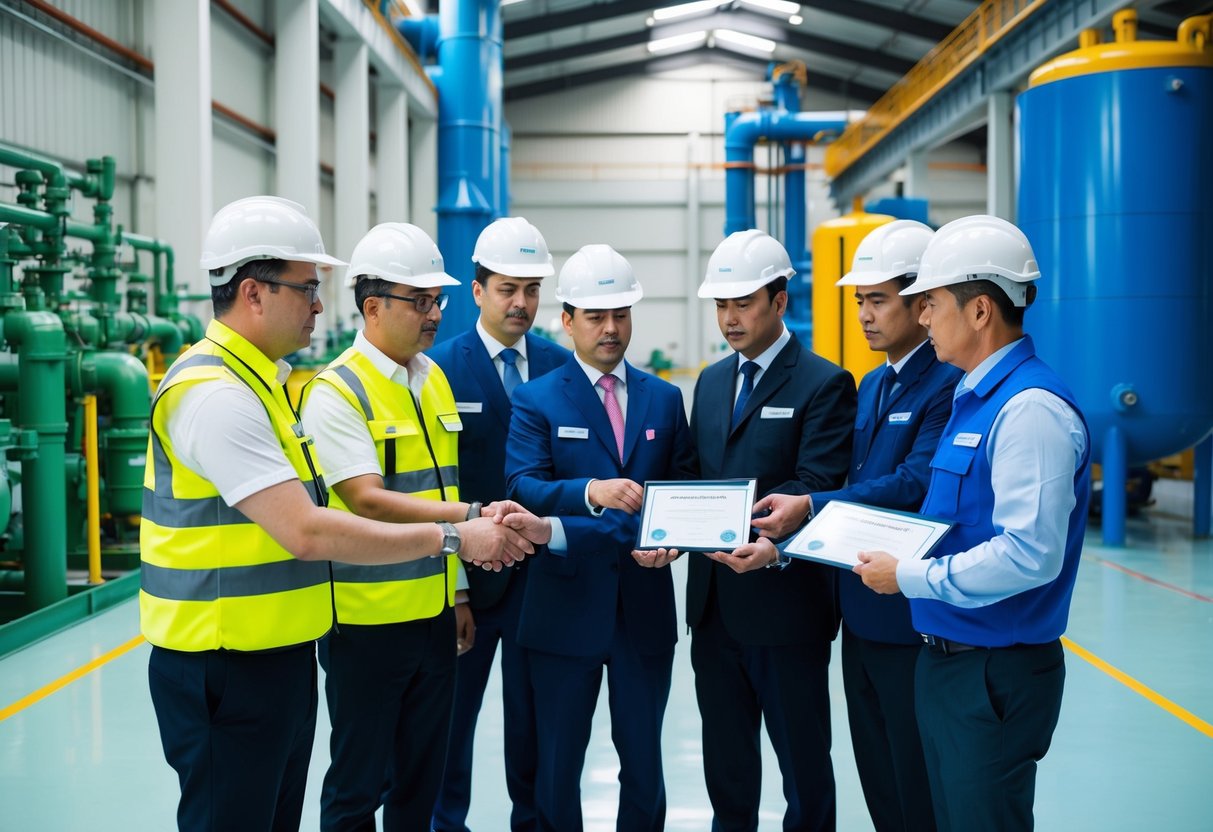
(696, 515)
(840, 531)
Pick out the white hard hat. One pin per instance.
(513, 247)
(399, 252)
(743, 263)
(597, 277)
(980, 247)
(893, 250)
(261, 228)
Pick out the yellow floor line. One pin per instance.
(63, 681)
(1137, 687)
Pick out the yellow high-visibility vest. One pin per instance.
(417, 442)
(211, 578)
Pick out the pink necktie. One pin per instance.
(614, 414)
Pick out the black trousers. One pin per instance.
(986, 718)
(237, 728)
(879, 682)
(497, 624)
(739, 687)
(389, 689)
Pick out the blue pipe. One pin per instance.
(503, 207)
(1202, 489)
(742, 131)
(469, 145)
(1115, 477)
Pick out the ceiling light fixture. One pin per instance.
(671, 12)
(685, 41)
(744, 41)
(779, 7)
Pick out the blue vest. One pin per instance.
(961, 491)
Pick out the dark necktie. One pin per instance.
(887, 382)
(749, 369)
(511, 378)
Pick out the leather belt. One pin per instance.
(946, 646)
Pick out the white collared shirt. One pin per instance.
(494, 348)
(764, 361)
(343, 442)
(621, 384)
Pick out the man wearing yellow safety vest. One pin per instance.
(235, 541)
(387, 432)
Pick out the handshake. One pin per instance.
(504, 534)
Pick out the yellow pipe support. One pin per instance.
(93, 486)
(1124, 24)
(1089, 37)
(1196, 32)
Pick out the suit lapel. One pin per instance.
(639, 397)
(774, 378)
(485, 373)
(584, 397)
(868, 395)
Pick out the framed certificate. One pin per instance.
(696, 515)
(840, 531)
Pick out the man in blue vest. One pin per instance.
(903, 407)
(484, 366)
(1012, 472)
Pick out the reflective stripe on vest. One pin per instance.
(420, 589)
(211, 578)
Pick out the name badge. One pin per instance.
(967, 440)
(469, 407)
(777, 412)
(572, 433)
(899, 418)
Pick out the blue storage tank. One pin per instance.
(1116, 196)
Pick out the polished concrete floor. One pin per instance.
(1133, 751)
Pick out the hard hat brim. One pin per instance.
(726, 291)
(517, 270)
(868, 278)
(618, 300)
(1016, 290)
(432, 280)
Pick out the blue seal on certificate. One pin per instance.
(657, 534)
(728, 535)
(817, 544)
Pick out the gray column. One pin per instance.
(392, 155)
(1000, 155)
(297, 103)
(423, 171)
(183, 161)
(916, 175)
(351, 172)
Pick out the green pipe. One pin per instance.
(41, 347)
(16, 158)
(19, 215)
(122, 380)
(166, 333)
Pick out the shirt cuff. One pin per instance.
(559, 544)
(595, 511)
(461, 577)
(912, 578)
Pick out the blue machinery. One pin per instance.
(785, 123)
(473, 140)
(1115, 172)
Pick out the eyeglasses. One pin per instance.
(422, 302)
(312, 290)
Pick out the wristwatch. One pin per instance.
(450, 539)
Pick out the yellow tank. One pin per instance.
(837, 334)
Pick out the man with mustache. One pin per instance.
(484, 366)
(235, 540)
(582, 440)
(386, 430)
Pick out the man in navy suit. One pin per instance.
(582, 440)
(760, 642)
(484, 366)
(903, 407)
